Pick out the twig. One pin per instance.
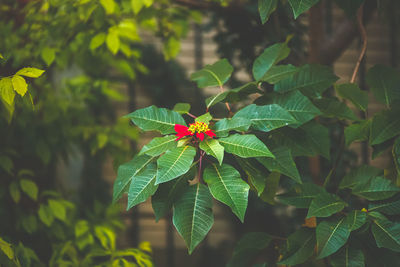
(191, 115)
(365, 40)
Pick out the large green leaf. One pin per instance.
(333, 108)
(348, 257)
(256, 176)
(213, 75)
(126, 172)
(222, 127)
(385, 83)
(359, 175)
(271, 56)
(248, 247)
(212, 147)
(387, 234)
(331, 236)
(300, 247)
(245, 146)
(385, 125)
(352, 92)
(301, 195)
(355, 219)
(277, 73)
(193, 215)
(325, 204)
(282, 163)
(142, 186)
(311, 80)
(266, 118)
(300, 6)
(377, 188)
(159, 145)
(387, 207)
(357, 132)
(174, 163)
(233, 95)
(156, 119)
(265, 8)
(226, 186)
(167, 193)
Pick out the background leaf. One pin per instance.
(300, 247)
(348, 257)
(352, 92)
(385, 125)
(265, 8)
(213, 75)
(377, 188)
(30, 188)
(300, 6)
(384, 83)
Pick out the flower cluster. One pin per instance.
(199, 128)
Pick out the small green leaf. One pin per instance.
(222, 127)
(212, 147)
(97, 41)
(384, 83)
(377, 188)
(159, 145)
(174, 163)
(331, 236)
(355, 219)
(48, 55)
(46, 215)
(113, 42)
(7, 91)
(213, 75)
(30, 72)
(14, 192)
(278, 73)
(245, 146)
(106, 237)
(300, 247)
(325, 204)
(357, 132)
(193, 215)
(29, 188)
(204, 118)
(171, 48)
(108, 5)
(265, 8)
(352, 92)
(58, 209)
(6, 247)
(385, 125)
(387, 234)
(137, 5)
(182, 108)
(227, 186)
(142, 186)
(348, 257)
(1, 56)
(270, 56)
(248, 247)
(19, 84)
(301, 196)
(301, 6)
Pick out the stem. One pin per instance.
(364, 38)
(200, 163)
(191, 115)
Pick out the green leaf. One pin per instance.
(174, 163)
(113, 42)
(282, 163)
(48, 55)
(58, 209)
(332, 108)
(233, 95)
(212, 147)
(272, 186)
(377, 188)
(156, 119)
(106, 237)
(248, 247)
(396, 155)
(359, 175)
(385, 125)
(386, 207)
(301, 196)
(204, 118)
(193, 215)
(6, 164)
(278, 73)
(384, 83)
(331, 236)
(182, 108)
(245, 146)
(348, 257)
(108, 5)
(222, 127)
(387, 234)
(19, 84)
(6, 91)
(325, 204)
(271, 56)
(30, 72)
(97, 41)
(226, 186)
(311, 80)
(142, 186)
(159, 145)
(256, 176)
(265, 8)
(29, 188)
(300, 247)
(126, 172)
(46, 215)
(300, 6)
(14, 192)
(357, 132)
(213, 75)
(352, 92)
(171, 48)
(355, 219)
(168, 192)
(1, 56)
(7, 249)
(266, 118)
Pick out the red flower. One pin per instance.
(198, 128)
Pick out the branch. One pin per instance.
(365, 40)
